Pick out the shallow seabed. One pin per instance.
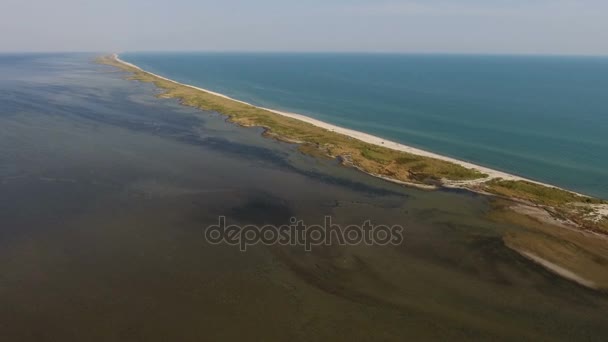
(105, 192)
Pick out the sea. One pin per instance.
(107, 191)
(541, 117)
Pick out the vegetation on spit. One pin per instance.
(377, 160)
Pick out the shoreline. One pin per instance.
(558, 270)
(539, 204)
(374, 140)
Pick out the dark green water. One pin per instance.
(543, 118)
(105, 192)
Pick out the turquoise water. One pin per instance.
(544, 118)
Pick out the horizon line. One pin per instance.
(346, 52)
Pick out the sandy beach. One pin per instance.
(368, 138)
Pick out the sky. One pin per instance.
(426, 26)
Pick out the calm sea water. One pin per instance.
(105, 191)
(544, 118)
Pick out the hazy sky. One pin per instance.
(469, 26)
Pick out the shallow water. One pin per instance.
(105, 192)
(541, 117)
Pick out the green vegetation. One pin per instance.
(371, 158)
(378, 160)
(562, 204)
(536, 193)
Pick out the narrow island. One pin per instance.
(567, 231)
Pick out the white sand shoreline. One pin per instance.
(368, 138)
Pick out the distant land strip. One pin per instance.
(383, 158)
